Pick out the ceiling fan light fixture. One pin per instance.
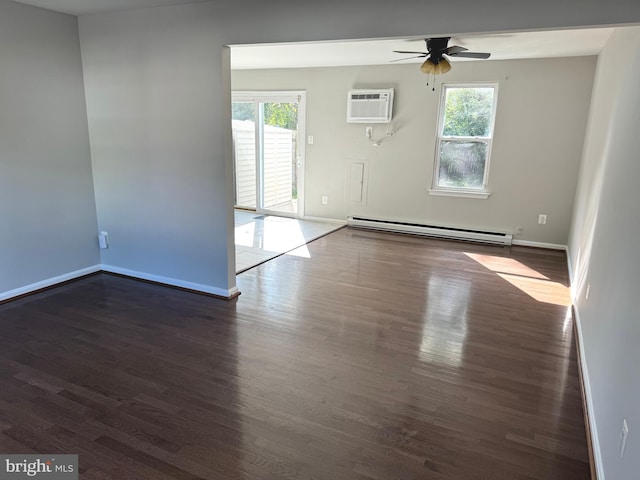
(431, 68)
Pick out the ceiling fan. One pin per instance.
(437, 50)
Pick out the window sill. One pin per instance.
(481, 194)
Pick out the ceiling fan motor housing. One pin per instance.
(437, 47)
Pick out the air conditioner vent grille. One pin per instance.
(370, 106)
(365, 96)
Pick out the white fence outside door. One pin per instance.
(278, 164)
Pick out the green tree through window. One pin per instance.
(284, 115)
(468, 112)
(464, 138)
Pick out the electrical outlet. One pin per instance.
(325, 199)
(310, 139)
(623, 437)
(542, 219)
(519, 231)
(369, 132)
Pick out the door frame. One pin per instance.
(277, 96)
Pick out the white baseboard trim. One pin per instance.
(174, 282)
(550, 246)
(49, 282)
(597, 454)
(595, 445)
(572, 285)
(569, 265)
(326, 220)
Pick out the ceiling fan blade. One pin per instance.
(455, 49)
(408, 58)
(471, 55)
(409, 53)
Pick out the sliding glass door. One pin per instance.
(268, 149)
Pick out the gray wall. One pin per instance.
(47, 210)
(540, 124)
(154, 97)
(604, 252)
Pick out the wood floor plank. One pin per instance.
(378, 356)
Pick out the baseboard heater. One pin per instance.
(495, 238)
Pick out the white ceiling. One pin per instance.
(559, 43)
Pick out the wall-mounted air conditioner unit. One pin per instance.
(370, 106)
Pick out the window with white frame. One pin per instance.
(465, 133)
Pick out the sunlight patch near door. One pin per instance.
(282, 234)
(245, 235)
(302, 252)
(258, 239)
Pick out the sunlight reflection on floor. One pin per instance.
(447, 301)
(259, 238)
(528, 280)
(505, 265)
(541, 290)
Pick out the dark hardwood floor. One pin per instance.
(371, 356)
